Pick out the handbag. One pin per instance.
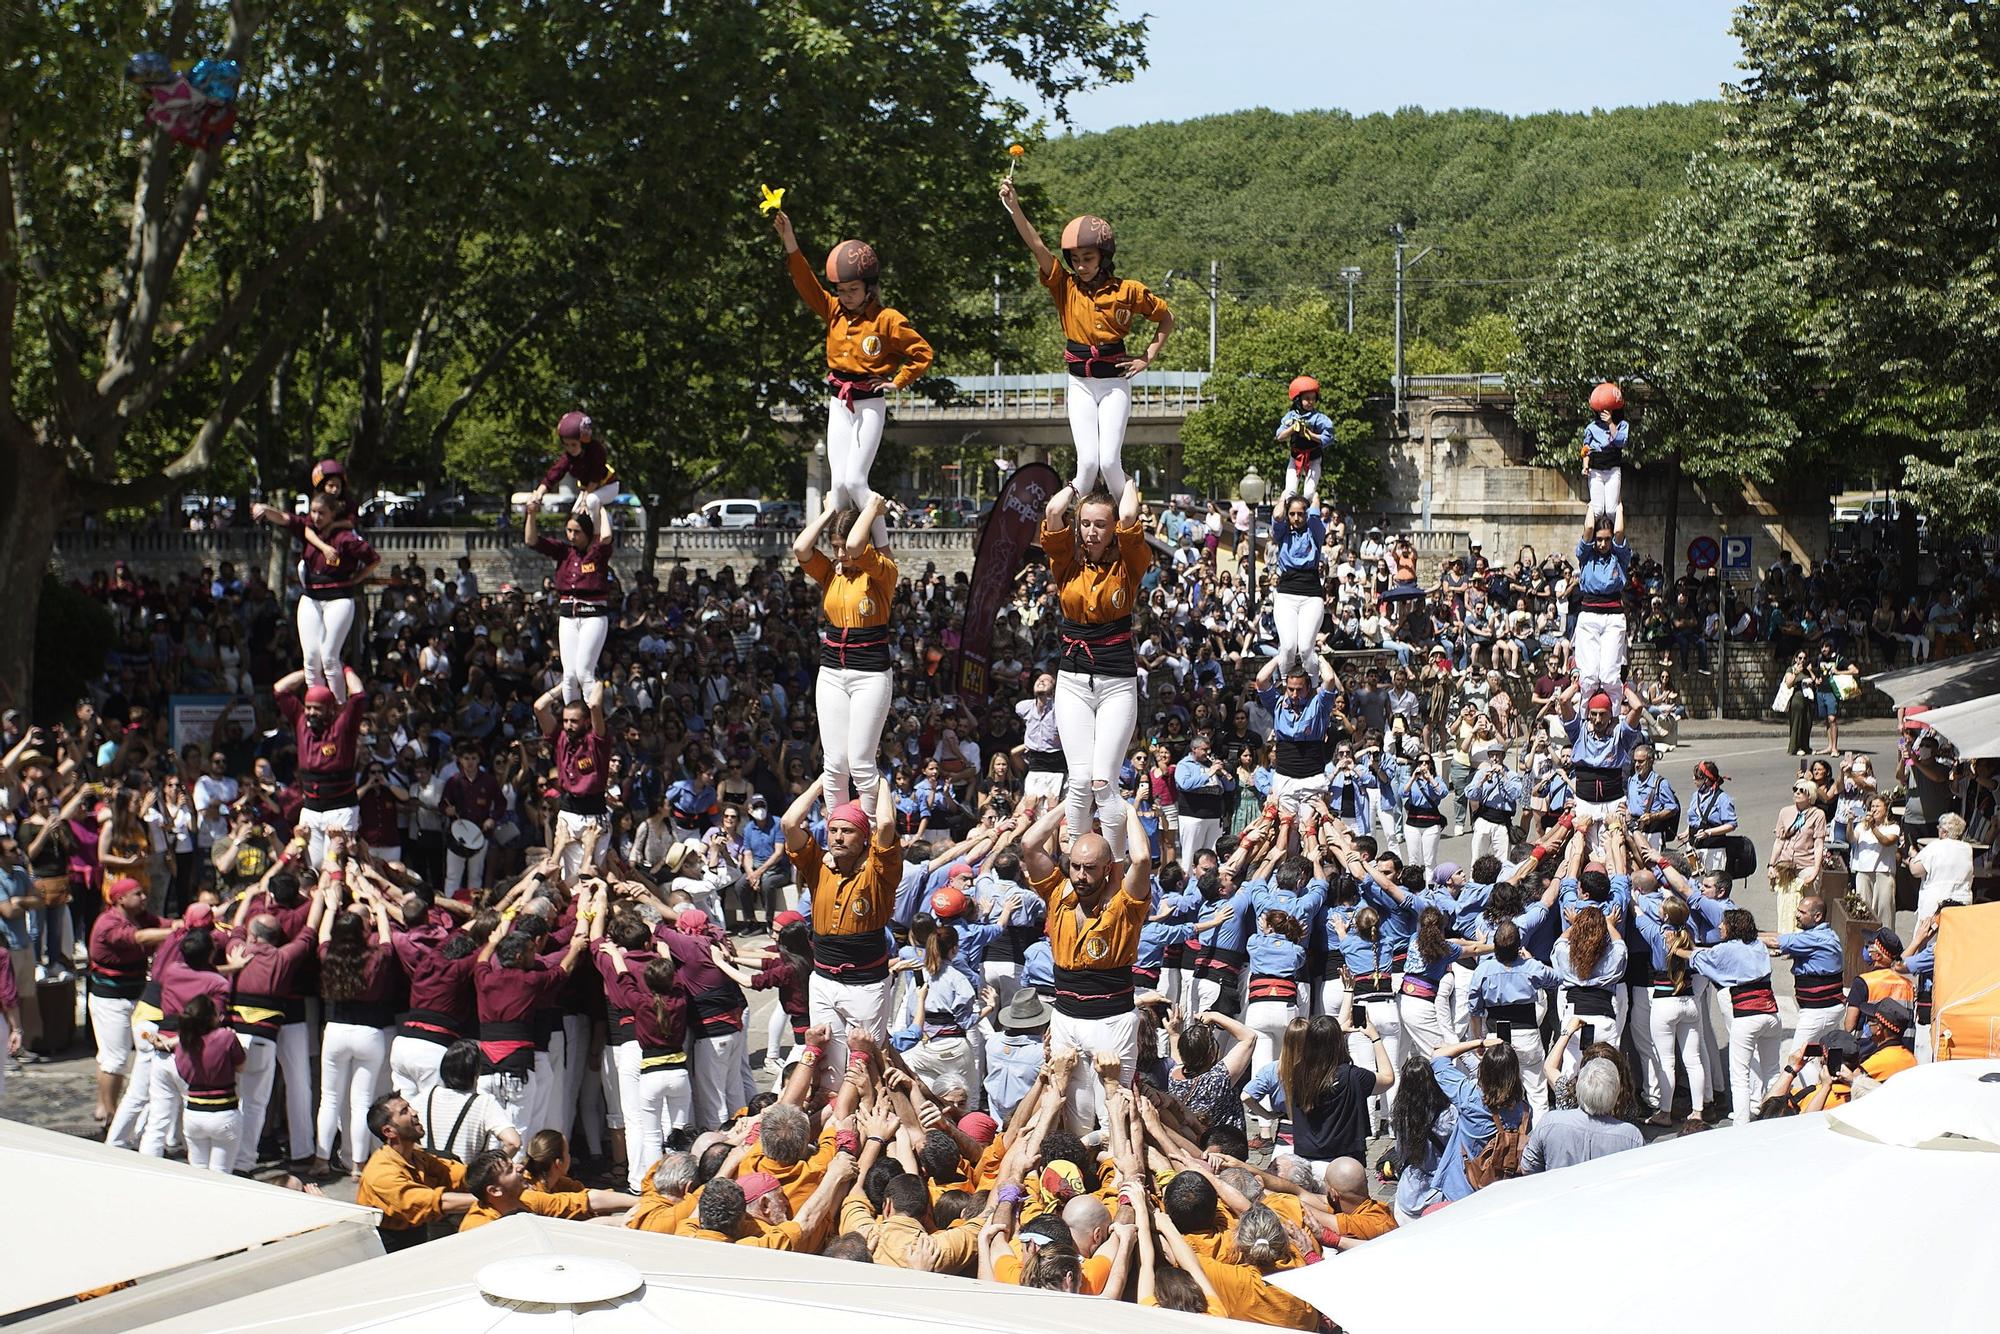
(1739, 857)
(1783, 699)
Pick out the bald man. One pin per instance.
(1093, 930)
(1358, 1216)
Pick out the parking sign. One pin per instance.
(1736, 557)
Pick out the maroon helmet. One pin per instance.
(852, 262)
(576, 426)
(326, 468)
(1090, 230)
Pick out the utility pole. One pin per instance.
(1214, 270)
(1402, 268)
(996, 328)
(1350, 274)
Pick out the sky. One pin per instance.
(1363, 56)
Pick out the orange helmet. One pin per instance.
(1089, 230)
(1303, 384)
(1607, 397)
(948, 902)
(851, 262)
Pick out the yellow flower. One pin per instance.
(772, 200)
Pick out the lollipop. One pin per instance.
(1014, 153)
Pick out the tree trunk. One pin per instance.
(32, 484)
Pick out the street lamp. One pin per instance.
(1253, 489)
(1350, 274)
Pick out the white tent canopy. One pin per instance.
(82, 1216)
(1973, 727)
(537, 1274)
(1772, 1205)
(1946, 681)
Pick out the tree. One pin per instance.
(1700, 320)
(550, 201)
(1234, 430)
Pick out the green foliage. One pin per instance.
(1956, 489)
(1234, 430)
(1699, 320)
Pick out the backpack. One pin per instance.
(1501, 1158)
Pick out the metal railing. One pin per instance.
(1035, 397)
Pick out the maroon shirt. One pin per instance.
(277, 970)
(328, 751)
(790, 982)
(378, 819)
(437, 984)
(590, 467)
(378, 977)
(114, 943)
(210, 1062)
(628, 991)
(180, 984)
(582, 766)
(477, 798)
(335, 577)
(512, 995)
(579, 574)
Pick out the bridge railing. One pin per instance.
(1037, 397)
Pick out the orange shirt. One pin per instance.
(1101, 316)
(656, 1213)
(854, 904)
(1094, 593)
(854, 601)
(1366, 1223)
(563, 1204)
(1108, 940)
(1246, 1296)
(1007, 1269)
(878, 342)
(1890, 1060)
(409, 1194)
(783, 1237)
(800, 1179)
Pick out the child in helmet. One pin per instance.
(870, 348)
(580, 456)
(1305, 432)
(1604, 449)
(1096, 308)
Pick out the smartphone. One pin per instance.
(1504, 1029)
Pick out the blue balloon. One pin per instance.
(217, 80)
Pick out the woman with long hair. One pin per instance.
(1675, 1014)
(1210, 1080)
(651, 993)
(1426, 1021)
(124, 844)
(336, 565)
(1422, 1125)
(1590, 962)
(1097, 561)
(1327, 1093)
(853, 688)
(947, 1007)
(1096, 308)
(356, 982)
(1368, 967)
(1491, 1100)
(207, 1057)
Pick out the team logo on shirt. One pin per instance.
(1095, 948)
(327, 751)
(866, 607)
(588, 567)
(861, 907)
(1117, 599)
(1122, 316)
(871, 346)
(584, 764)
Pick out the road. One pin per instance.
(56, 1093)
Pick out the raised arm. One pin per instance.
(1011, 201)
(1128, 499)
(864, 522)
(1057, 510)
(1139, 871)
(808, 538)
(1038, 855)
(794, 819)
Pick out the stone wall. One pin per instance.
(1749, 680)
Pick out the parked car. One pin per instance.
(727, 514)
(782, 514)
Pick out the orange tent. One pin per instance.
(1965, 1015)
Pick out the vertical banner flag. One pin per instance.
(1012, 528)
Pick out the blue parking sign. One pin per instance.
(1737, 555)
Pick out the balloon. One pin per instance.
(217, 80)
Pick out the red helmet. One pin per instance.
(1303, 384)
(1607, 397)
(576, 426)
(948, 902)
(1090, 230)
(326, 468)
(852, 262)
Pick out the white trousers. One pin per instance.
(1753, 1061)
(662, 1102)
(1084, 1099)
(1813, 1024)
(1675, 1025)
(853, 705)
(1297, 617)
(128, 1122)
(1596, 1027)
(1606, 485)
(1098, 412)
(512, 1092)
(1708, 999)
(936, 1059)
(1600, 652)
(1420, 844)
(853, 435)
(295, 1063)
(460, 872)
(578, 825)
(1426, 1023)
(580, 640)
(1005, 977)
(1197, 835)
(1268, 1019)
(841, 1006)
(212, 1137)
(353, 1069)
(1489, 837)
(166, 1099)
(324, 624)
(111, 1022)
(619, 1073)
(1289, 794)
(1388, 1021)
(318, 824)
(1638, 1029)
(254, 1080)
(716, 1081)
(1095, 716)
(575, 1065)
(1307, 486)
(413, 1067)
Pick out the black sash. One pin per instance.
(1094, 361)
(1595, 783)
(1097, 650)
(1093, 993)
